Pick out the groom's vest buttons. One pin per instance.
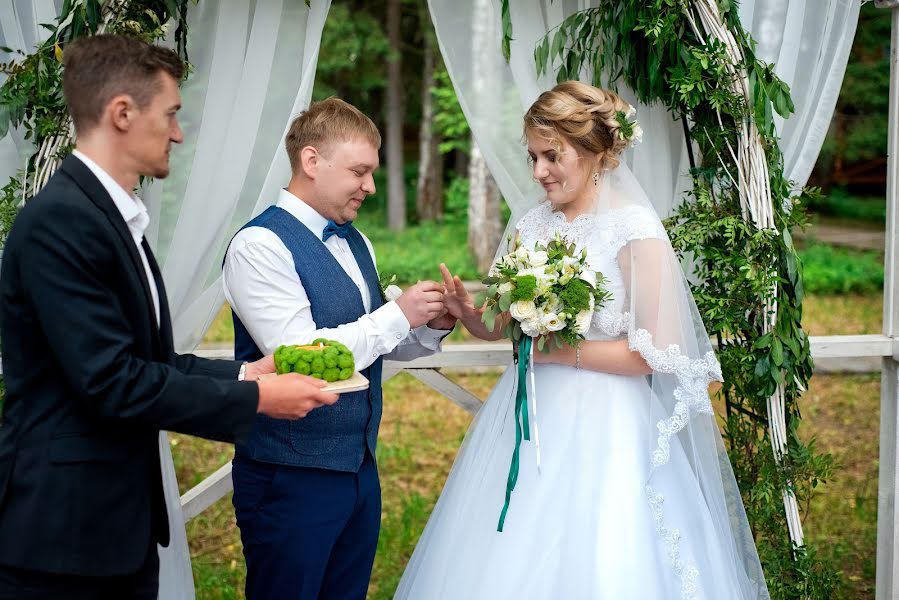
(330, 437)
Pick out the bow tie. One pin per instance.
(333, 228)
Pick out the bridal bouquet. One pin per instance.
(551, 295)
(549, 292)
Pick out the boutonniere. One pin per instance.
(389, 290)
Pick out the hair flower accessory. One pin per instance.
(629, 129)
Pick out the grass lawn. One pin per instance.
(421, 432)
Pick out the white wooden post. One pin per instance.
(887, 515)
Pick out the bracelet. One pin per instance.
(242, 373)
(577, 357)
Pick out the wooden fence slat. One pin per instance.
(449, 388)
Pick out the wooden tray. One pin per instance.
(356, 383)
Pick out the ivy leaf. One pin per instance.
(92, 8)
(762, 367)
(4, 120)
(763, 342)
(558, 38)
(507, 30)
(777, 352)
(171, 7)
(792, 269)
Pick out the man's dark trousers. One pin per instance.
(308, 533)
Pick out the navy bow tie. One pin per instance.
(333, 228)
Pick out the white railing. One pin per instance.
(854, 353)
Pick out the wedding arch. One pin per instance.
(236, 159)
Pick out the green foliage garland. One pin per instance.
(31, 96)
(651, 47)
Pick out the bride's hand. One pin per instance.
(563, 356)
(457, 301)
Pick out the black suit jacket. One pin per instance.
(90, 381)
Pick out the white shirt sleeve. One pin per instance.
(262, 286)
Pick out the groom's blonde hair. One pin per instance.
(324, 123)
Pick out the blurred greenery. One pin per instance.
(840, 203)
(416, 252)
(352, 61)
(860, 123)
(830, 269)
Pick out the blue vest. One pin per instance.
(330, 437)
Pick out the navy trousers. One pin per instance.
(307, 533)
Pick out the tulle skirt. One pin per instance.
(581, 527)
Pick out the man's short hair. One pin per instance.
(325, 122)
(97, 68)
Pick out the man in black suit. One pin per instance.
(91, 372)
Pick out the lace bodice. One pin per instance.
(603, 237)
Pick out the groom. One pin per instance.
(306, 494)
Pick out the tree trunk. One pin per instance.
(485, 228)
(429, 198)
(395, 109)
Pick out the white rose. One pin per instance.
(392, 292)
(631, 112)
(637, 136)
(531, 327)
(539, 258)
(506, 287)
(552, 322)
(523, 310)
(582, 321)
(521, 254)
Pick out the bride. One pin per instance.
(634, 497)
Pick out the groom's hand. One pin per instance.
(421, 303)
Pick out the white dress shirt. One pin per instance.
(262, 286)
(133, 211)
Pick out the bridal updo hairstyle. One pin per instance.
(582, 114)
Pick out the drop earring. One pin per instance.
(595, 179)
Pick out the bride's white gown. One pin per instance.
(586, 525)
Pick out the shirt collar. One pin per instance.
(132, 209)
(304, 213)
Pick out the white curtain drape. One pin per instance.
(252, 69)
(809, 42)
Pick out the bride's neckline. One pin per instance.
(558, 215)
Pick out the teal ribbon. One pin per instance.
(522, 427)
